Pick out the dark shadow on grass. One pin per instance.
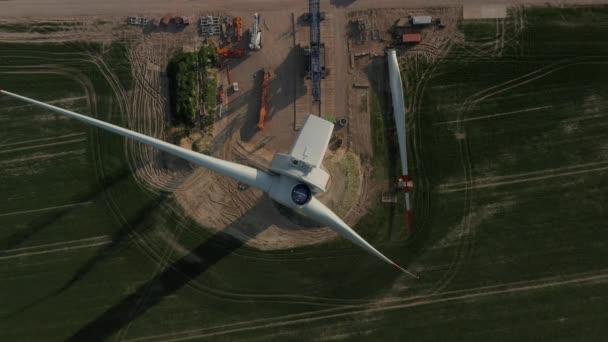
(117, 238)
(41, 223)
(173, 278)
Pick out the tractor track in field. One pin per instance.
(468, 230)
(21, 212)
(122, 100)
(56, 247)
(418, 79)
(18, 149)
(467, 295)
(465, 233)
(166, 254)
(543, 175)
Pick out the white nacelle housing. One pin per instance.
(304, 161)
(287, 165)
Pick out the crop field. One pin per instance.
(510, 161)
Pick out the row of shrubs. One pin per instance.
(188, 72)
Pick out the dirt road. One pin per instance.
(54, 8)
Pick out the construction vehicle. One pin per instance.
(264, 101)
(239, 28)
(229, 53)
(255, 41)
(220, 95)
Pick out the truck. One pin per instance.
(255, 41)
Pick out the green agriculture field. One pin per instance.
(509, 155)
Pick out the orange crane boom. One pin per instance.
(265, 83)
(239, 28)
(227, 53)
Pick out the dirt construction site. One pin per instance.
(216, 201)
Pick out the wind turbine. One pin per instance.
(293, 179)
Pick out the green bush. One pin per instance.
(183, 87)
(184, 70)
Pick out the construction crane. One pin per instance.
(239, 28)
(264, 101)
(315, 49)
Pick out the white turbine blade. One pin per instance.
(322, 214)
(398, 106)
(245, 174)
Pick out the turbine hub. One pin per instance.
(301, 194)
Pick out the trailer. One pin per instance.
(422, 20)
(255, 41)
(229, 53)
(137, 21)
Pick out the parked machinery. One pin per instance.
(264, 102)
(238, 23)
(255, 42)
(229, 53)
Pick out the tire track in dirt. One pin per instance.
(156, 170)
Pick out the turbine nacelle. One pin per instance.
(303, 162)
(290, 192)
(288, 166)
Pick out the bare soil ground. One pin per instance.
(59, 8)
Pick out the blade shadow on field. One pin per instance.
(43, 222)
(171, 279)
(117, 238)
